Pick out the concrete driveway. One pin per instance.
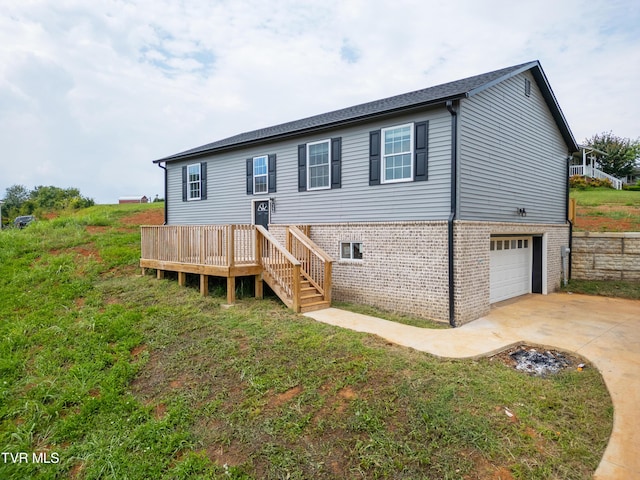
(606, 331)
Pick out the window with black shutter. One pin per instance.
(399, 153)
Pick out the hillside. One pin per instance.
(607, 210)
(105, 373)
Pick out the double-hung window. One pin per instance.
(261, 174)
(397, 153)
(319, 165)
(194, 182)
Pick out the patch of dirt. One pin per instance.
(282, 398)
(76, 470)
(138, 350)
(347, 393)
(231, 455)
(485, 470)
(159, 411)
(149, 217)
(85, 251)
(93, 229)
(608, 218)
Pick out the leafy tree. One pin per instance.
(621, 153)
(20, 201)
(15, 197)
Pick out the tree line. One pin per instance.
(616, 156)
(19, 200)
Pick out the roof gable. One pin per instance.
(463, 88)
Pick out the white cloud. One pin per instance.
(91, 92)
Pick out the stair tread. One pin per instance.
(314, 306)
(315, 293)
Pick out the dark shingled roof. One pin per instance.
(428, 96)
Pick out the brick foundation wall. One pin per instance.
(606, 256)
(405, 264)
(472, 267)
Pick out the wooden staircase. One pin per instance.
(310, 297)
(299, 274)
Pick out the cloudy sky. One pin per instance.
(91, 91)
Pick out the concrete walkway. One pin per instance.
(606, 331)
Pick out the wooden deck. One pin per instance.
(299, 274)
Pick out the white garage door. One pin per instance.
(510, 272)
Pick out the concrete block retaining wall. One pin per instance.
(606, 256)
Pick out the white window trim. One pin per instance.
(411, 152)
(328, 142)
(350, 258)
(199, 182)
(266, 175)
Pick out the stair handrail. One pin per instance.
(323, 284)
(289, 282)
(310, 244)
(616, 182)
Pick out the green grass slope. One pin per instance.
(108, 374)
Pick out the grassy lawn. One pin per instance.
(606, 196)
(607, 210)
(606, 288)
(116, 375)
(393, 317)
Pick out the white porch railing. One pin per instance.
(589, 171)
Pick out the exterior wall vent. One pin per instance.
(527, 87)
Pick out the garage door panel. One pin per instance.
(510, 267)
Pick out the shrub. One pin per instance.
(580, 182)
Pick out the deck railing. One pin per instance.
(237, 250)
(218, 245)
(316, 265)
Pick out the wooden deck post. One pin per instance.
(296, 288)
(328, 266)
(160, 274)
(259, 286)
(182, 278)
(231, 245)
(204, 285)
(231, 290)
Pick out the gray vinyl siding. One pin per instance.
(355, 201)
(511, 156)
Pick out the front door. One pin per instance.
(261, 213)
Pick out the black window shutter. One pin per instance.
(184, 183)
(272, 173)
(420, 168)
(203, 181)
(302, 168)
(249, 176)
(374, 157)
(336, 162)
